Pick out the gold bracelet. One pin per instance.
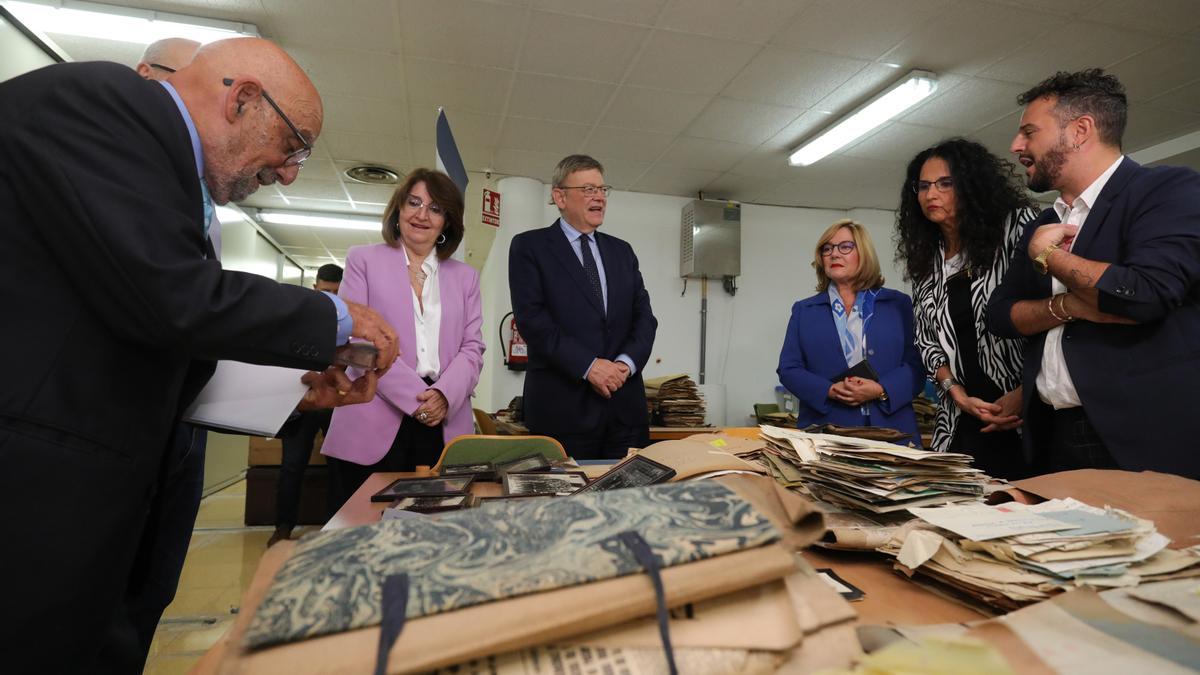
(1050, 308)
(1062, 307)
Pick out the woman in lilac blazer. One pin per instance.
(424, 400)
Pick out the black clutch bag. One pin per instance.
(861, 369)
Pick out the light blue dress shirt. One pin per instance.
(573, 237)
(345, 324)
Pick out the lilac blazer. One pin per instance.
(376, 276)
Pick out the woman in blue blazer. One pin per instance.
(852, 318)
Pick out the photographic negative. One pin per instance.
(423, 487)
(637, 471)
(538, 483)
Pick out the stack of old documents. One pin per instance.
(676, 401)
(868, 475)
(1011, 555)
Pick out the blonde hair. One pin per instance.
(869, 275)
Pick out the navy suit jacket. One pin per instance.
(1136, 382)
(566, 328)
(812, 356)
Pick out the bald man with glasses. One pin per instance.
(113, 295)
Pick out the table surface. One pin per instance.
(889, 598)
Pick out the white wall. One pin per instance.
(18, 54)
(745, 332)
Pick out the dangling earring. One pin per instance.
(441, 239)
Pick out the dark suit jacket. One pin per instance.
(812, 356)
(566, 327)
(108, 298)
(1135, 382)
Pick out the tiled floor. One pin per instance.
(220, 564)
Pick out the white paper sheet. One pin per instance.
(247, 398)
(981, 522)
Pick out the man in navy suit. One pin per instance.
(582, 308)
(1106, 286)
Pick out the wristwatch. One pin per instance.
(1040, 262)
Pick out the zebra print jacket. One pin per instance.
(1000, 358)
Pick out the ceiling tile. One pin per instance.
(367, 25)
(1172, 17)
(469, 128)
(311, 188)
(823, 25)
(703, 153)
(745, 20)
(1160, 69)
(998, 135)
(971, 105)
(683, 62)
(293, 237)
(1184, 98)
(802, 127)
(643, 12)
(321, 205)
(352, 73)
(741, 122)
(319, 169)
(966, 38)
(867, 82)
(345, 113)
(462, 31)
(370, 194)
(626, 144)
(1149, 124)
(574, 46)
(790, 77)
(536, 165)
(356, 147)
(456, 87)
(740, 188)
(666, 180)
(1091, 45)
(844, 169)
(337, 239)
(622, 173)
(653, 110)
(561, 138)
(764, 163)
(897, 142)
(558, 98)
(265, 198)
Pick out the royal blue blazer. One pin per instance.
(812, 357)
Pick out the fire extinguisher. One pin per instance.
(517, 355)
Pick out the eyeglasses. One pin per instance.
(843, 247)
(416, 204)
(297, 157)
(944, 184)
(588, 190)
(168, 69)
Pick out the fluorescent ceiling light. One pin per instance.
(123, 24)
(333, 220)
(228, 214)
(914, 88)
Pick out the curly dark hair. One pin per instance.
(1087, 92)
(986, 193)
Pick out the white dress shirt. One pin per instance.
(1054, 383)
(428, 323)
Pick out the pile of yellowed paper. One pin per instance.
(676, 401)
(1011, 555)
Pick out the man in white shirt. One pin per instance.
(1106, 288)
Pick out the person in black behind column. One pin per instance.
(961, 215)
(298, 439)
(108, 183)
(1106, 284)
(582, 308)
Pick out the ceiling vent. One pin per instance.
(373, 175)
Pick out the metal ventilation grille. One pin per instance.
(685, 236)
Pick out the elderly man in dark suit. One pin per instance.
(581, 306)
(1107, 286)
(107, 185)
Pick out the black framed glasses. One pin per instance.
(160, 66)
(589, 190)
(943, 184)
(297, 157)
(843, 247)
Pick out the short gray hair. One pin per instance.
(572, 163)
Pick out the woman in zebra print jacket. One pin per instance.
(961, 216)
